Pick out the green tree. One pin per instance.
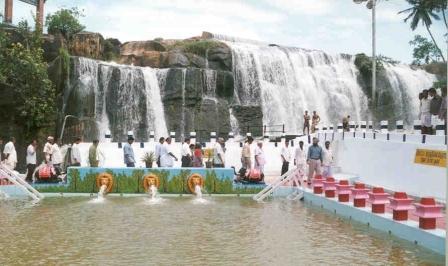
(424, 52)
(424, 11)
(23, 77)
(65, 21)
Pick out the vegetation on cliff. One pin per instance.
(65, 21)
(24, 81)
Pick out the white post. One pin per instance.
(340, 127)
(212, 137)
(193, 137)
(417, 127)
(108, 136)
(370, 125)
(363, 126)
(400, 127)
(352, 126)
(173, 137)
(384, 126)
(151, 136)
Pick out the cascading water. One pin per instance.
(287, 81)
(198, 191)
(153, 192)
(118, 98)
(405, 85)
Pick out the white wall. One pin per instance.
(390, 164)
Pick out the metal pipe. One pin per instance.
(63, 125)
(373, 49)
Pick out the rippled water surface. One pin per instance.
(181, 231)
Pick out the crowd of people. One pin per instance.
(318, 160)
(52, 153)
(432, 107)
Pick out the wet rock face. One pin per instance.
(190, 102)
(250, 119)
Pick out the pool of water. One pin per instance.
(182, 231)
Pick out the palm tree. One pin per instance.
(422, 11)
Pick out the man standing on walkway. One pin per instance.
(48, 149)
(286, 157)
(260, 159)
(425, 114)
(94, 158)
(314, 159)
(158, 150)
(218, 154)
(76, 153)
(314, 121)
(346, 123)
(186, 153)
(56, 157)
(300, 159)
(128, 152)
(31, 160)
(167, 155)
(246, 155)
(306, 123)
(10, 154)
(327, 160)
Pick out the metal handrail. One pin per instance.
(270, 188)
(16, 180)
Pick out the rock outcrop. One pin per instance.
(87, 44)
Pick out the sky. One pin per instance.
(334, 26)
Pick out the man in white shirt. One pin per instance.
(260, 160)
(327, 160)
(300, 159)
(10, 154)
(48, 149)
(31, 160)
(218, 154)
(76, 153)
(246, 156)
(56, 158)
(186, 153)
(167, 156)
(286, 157)
(157, 150)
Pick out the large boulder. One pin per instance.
(87, 44)
(176, 59)
(138, 48)
(220, 58)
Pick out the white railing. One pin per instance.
(22, 184)
(269, 190)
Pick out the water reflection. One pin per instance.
(231, 231)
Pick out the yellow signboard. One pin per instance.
(430, 157)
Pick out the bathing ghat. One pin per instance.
(389, 160)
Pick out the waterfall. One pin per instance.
(154, 100)
(405, 85)
(121, 98)
(287, 81)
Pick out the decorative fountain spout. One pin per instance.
(104, 182)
